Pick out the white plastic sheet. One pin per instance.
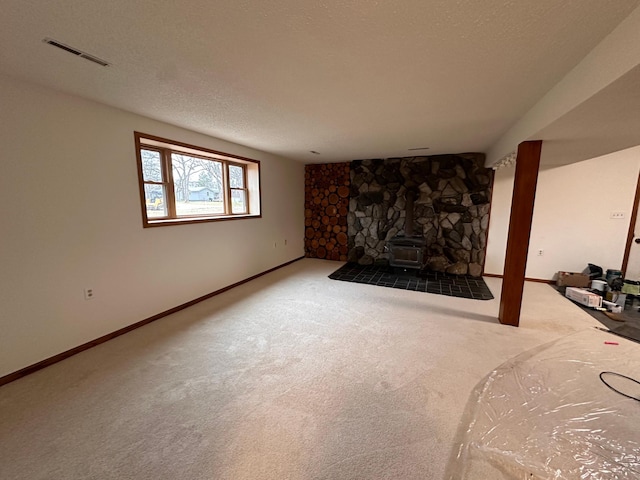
(547, 415)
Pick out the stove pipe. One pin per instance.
(408, 217)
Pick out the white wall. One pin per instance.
(571, 217)
(70, 216)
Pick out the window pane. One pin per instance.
(238, 201)
(155, 200)
(151, 166)
(236, 176)
(197, 185)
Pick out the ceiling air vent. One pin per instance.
(76, 52)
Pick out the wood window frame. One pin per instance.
(244, 188)
(251, 181)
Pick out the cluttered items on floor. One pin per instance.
(607, 296)
(596, 289)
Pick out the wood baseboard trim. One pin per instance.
(23, 372)
(539, 280)
(527, 279)
(492, 275)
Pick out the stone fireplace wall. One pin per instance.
(451, 208)
(326, 207)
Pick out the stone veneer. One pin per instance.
(451, 209)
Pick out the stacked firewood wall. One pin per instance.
(326, 199)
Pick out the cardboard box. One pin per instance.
(584, 297)
(571, 279)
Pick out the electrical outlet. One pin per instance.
(88, 294)
(617, 215)
(540, 252)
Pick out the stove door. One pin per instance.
(408, 257)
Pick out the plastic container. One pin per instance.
(631, 287)
(611, 274)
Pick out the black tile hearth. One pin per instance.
(462, 286)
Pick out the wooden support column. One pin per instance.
(524, 193)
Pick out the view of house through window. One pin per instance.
(184, 183)
(197, 185)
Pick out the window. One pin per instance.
(180, 183)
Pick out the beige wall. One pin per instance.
(571, 218)
(71, 219)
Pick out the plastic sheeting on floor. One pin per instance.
(547, 415)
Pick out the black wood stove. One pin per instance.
(407, 252)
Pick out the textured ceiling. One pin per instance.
(348, 78)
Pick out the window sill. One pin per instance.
(166, 222)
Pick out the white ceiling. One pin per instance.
(607, 122)
(348, 78)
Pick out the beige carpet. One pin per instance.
(291, 376)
